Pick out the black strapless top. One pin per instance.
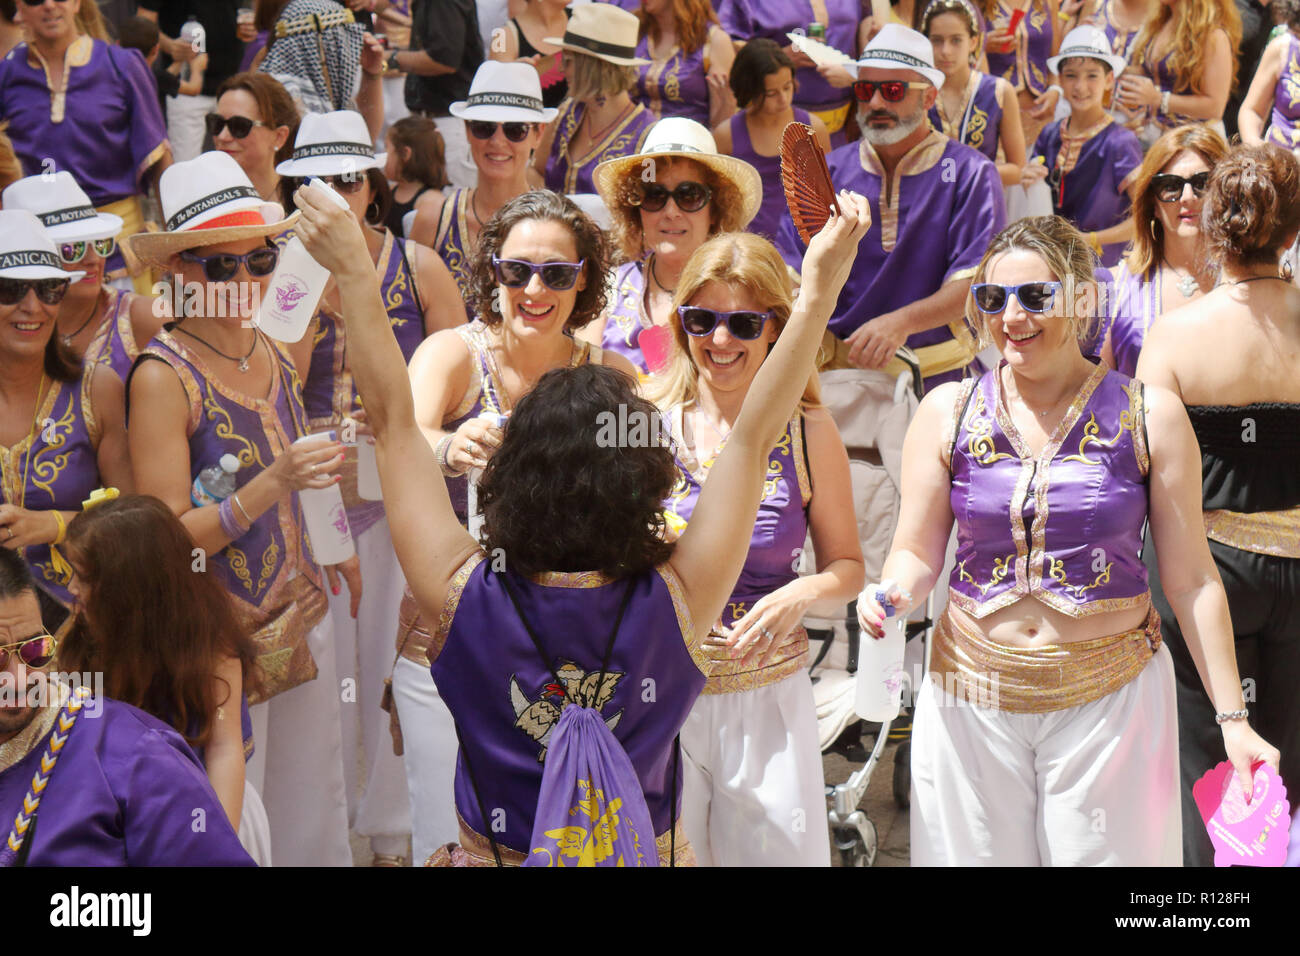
(1250, 456)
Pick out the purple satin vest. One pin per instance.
(452, 243)
(1165, 78)
(114, 343)
(774, 207)
(627, 316)
(675, 86)
(258, 568)
(573, 174)
(330, 394)
(55, 467)
(1284, 125)
(781, 527)
(1025, 67)
(1120, 39)
(980, 122)
(506, 703)
(1136, 305)
(1077, 509)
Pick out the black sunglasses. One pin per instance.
(743, 324)
(891, 91)
(223, 265)
(991, 298)
(1169, 188)
(35, 651)
(346, 183)
(240, 126)
(690, 196)
(483, 129)
(49, 291)
(557, 276)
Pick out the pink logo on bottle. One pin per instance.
(339, 519)
(288, 295)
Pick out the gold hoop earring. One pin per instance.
(1153, 228)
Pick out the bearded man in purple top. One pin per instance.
(936, 204)
(92, 782)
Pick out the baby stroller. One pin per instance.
(872, 410)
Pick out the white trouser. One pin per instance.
(378, 806)
(254, 828)
(297, 765)
(460, 164)
(1093, 785)
(753, 786)
(186, 126)
(429, 748)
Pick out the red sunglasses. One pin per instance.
(891, 91)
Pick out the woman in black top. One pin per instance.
(540, 19)
(1233, 357)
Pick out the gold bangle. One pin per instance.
(62, 526)
(1094, 242)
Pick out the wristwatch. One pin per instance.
(391, 63)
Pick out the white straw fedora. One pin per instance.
(62, 207)
(1088, 42)
(330, 144)
(604, 31)
(206, 201)
(504, 93)
(26, 249)
(896, 47)
(679, 136)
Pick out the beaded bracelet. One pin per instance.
(440, 454)
(230, 525)
(1231, 715)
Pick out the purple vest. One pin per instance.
(1077, 509)
(259, 568)
(1090, 192)
(506, 703)
(1025, 67)
(1164, 76)
(55, 467)
(330, 394)
(627, 315)
(981, 120)
(675, 86)
(452, 243)
(573, 174)
(1136, 305)
(114, 343)
(1120, 39)
(774, 207)
(1284, 125)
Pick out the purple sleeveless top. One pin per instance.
(1163, 75)
(1078, 507)
(675, 86)
(573, 174)
(1025, 67)
(1136, 305)
(1284, 125)
(330, 394)
(452, 243)
(259, 569)
(114, 342)
(627, 315)
(980, 120)
(485, 394)
(1120, 39)
(506, 702)
(54, 467)
(768, 220)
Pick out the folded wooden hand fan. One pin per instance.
(807, 180)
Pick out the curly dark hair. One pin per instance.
(557, 496)
(1252, 205)
(726, 205)
(545, 206)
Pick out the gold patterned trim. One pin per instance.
(959, 408)
(575, 165)
(471, 334)
(77, 55)
(572, 579)
(1072, 143)
(919, 159)
(29, 738)
(798, 443)
(413, 635)
(1275, 533)
(188, 383)
(727, 675)
(448, 613)
(684, 621)
(1138, 416)
(478, 849)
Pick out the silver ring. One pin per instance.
(10, 533)
(766, 633)
(313, 471)
(471, 447)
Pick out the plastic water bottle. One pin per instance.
(880, 664)
(295, 289)
(215, 483)
(326, 519)
(195, 37)
(471, 500)
(367, 471)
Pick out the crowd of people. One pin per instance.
(1077, 223)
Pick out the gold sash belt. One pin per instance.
(727, 675)
(413, 637)
(1276, 533)
(1037, 680)
(955, 353)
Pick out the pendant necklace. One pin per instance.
(70, 338)
(242, 362)
(1187, 284)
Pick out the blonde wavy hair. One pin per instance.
(738, 259)
(1194, 21)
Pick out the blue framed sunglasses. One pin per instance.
(556, 276)
(743, 324)
(991, 298)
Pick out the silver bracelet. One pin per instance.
(1164, 103)
(240, 505)
(440, 455)
(1231, 715)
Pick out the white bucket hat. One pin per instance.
(1088, 42)
(62, 207)
(679, 136)
(330, 144)
(504, 93)
(26, 249)
(604, 31)
(896, 47)
(206, 201)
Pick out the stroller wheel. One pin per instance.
(859, 849)
(903, 774)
